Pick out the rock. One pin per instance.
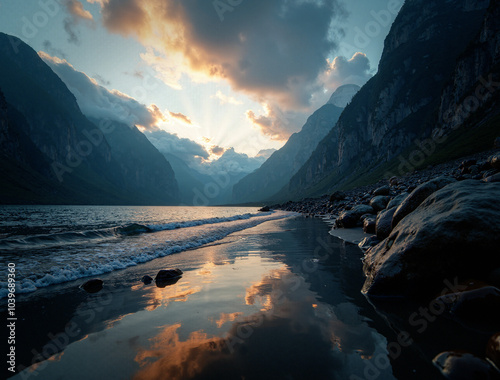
(396, 201)
(369, 226)
(147, 280)
(368, 242)
(493, 349)
(474, 170)
(380, 202)
(265, 209)
(495, 161)
(167, 277)
(337, 196)
(417, 196)
(455, 365)
(393, 181)
(92, 286)
(489, 173)
(350, 219)
(384, 190)
(383, 225)
(480, 305)
(453, 232)
(492, 178)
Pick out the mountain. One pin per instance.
(59, 148)
(274, 174)
(343, 95)
(397, 108)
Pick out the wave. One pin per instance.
(116, 261)
(75, 237)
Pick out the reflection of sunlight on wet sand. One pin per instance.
(178, 292)
(289, 312)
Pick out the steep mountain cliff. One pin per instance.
(77, 164)
(399, 104)
(265, 182)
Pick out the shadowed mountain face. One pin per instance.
(68, 158)
(265, 182)
(400, 103)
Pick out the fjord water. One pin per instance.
(263, 296)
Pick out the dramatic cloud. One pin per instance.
(98, 102)
(225, 99)
(343, 71)
(271, 50)
(187, 150)
(76, 14)
(275, 123)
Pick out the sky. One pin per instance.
(242, 74)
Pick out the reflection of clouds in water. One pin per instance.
(178, 292)
(293, 335)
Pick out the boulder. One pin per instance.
(454, 232)
(493, 349)
(480, 305)
(350, 218)
(417, 196)
(368, 242)
(383, 225)
(456, 365)
(265, 209)
(92, 286)
(337, 196)
(397, 200)
(369, 226)
(393, 181)
(167, 277)
(380, 202)
(495, 161)
(384, 190)
(147, 280)
(493, 178)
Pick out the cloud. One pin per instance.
(343, 71)
(49, 48)
(76, 13)
(75, 9)
(271, 50)
(98, 102)
(217, 150)
(101, 80)
(187, 150)
(226, 99)
(181, 117)
(275, 123)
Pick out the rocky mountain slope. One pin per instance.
(397, 108)
(67, 152)
(269, 179)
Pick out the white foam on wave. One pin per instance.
(106, 262)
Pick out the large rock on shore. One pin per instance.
(350, 219)
(455, 232)
(417, 196)
(383, 225)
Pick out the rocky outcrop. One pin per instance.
(453, 233)
(398, 105)
(455, 365)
